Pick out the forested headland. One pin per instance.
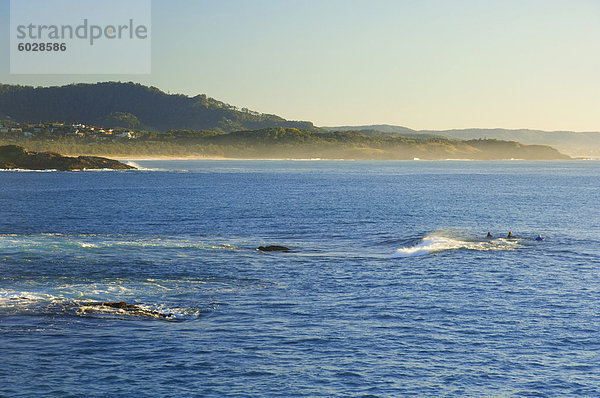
(132, 120)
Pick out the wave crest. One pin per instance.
(438, 243)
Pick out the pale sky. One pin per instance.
(423, 64)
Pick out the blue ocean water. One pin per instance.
(390, 287)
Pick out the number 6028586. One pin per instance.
(42, 47)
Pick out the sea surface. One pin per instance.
(390, 288)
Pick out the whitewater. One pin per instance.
(437, 242)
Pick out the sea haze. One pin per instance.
(390, 287)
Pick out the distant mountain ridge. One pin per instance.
(578, 144)
(572, 143)
(131, 105)
(382, 128)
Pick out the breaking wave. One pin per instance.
(139, 167)
(40, 303)
(436, 243)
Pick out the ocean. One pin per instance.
(390, 287)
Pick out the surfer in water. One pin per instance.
(510, 235)
(489, 235)
(539, 237)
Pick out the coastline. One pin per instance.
(161, 157)
(221, 158)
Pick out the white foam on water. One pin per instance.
(139, 167)
(17, 302)
(13, 296)
(68, 243)
(29, 171)
(84, 244)
(428, 245)
(134, 164)
(437, 243)
(83, 299)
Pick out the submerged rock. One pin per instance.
(120, 304)
(17, 157)
(273, 248)
(136, 310)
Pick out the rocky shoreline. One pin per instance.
(16, 157)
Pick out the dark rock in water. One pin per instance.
(120, 304)
(17, 157)
(273, 248)
(137, 310)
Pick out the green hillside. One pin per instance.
(130, 105)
